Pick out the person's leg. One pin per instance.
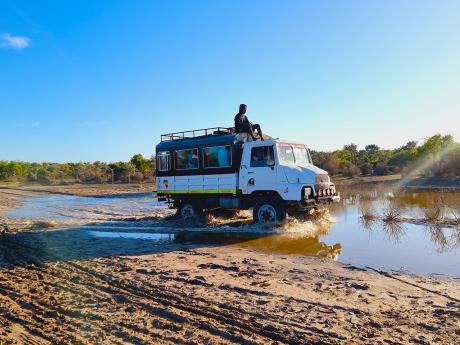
(256, 127)
(247, 128)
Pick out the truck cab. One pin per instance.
(222, 169)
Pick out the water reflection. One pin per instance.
(295, 244)
(368, 223)
(301, 244)
(443, 239)
(134, 235)
(394, 231)
(394, 228)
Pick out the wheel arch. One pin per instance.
(260, 195)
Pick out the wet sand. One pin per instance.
(57, 291)
(12, 197)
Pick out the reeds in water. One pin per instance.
(392, 214)
(433, 213)
(367, 212)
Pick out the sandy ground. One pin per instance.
(55, 291)
(78, 189)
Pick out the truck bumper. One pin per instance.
(297, 206)
(329, 199)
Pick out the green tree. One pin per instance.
(140, 163)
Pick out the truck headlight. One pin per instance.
(307, 193)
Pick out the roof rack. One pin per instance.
(197, 133)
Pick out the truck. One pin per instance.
(213, 168)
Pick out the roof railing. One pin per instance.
(197, 133)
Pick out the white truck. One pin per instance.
(217, 168)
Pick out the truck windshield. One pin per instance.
(294, 155)
(301, 156)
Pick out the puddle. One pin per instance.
(134, 235)
(408, 245)
(81, 210)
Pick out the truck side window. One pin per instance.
(262, 156)
(163, 161)
(217, 157)
(186, 159)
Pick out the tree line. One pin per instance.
(437, 156)
(137, 169)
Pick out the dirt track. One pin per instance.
(55, 289)
(216, 295)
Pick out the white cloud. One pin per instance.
(16, 42)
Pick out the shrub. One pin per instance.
(332, 166)
(366, 169)
(352, 170)
(381, 169)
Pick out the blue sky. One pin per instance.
(101, 80)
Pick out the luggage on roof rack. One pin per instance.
(197, 133)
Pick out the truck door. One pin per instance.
(259, 172)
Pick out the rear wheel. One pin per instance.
(188, 212)
(269, 212)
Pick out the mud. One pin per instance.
(215, 295)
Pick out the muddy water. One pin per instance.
(81, 210)
(410, 244)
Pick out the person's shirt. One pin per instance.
(240, 119)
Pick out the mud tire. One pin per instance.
(267, 211)
(189, 212)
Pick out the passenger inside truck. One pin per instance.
(186, 159)
(262, 156)
(193, 160)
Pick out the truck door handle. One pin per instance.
(250, 172)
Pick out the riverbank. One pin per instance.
(92, 190)
(398, 181)
(69, 286)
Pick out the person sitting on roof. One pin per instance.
(242, 124)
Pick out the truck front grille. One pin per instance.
(325, 192)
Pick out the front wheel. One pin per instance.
(268, 212)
